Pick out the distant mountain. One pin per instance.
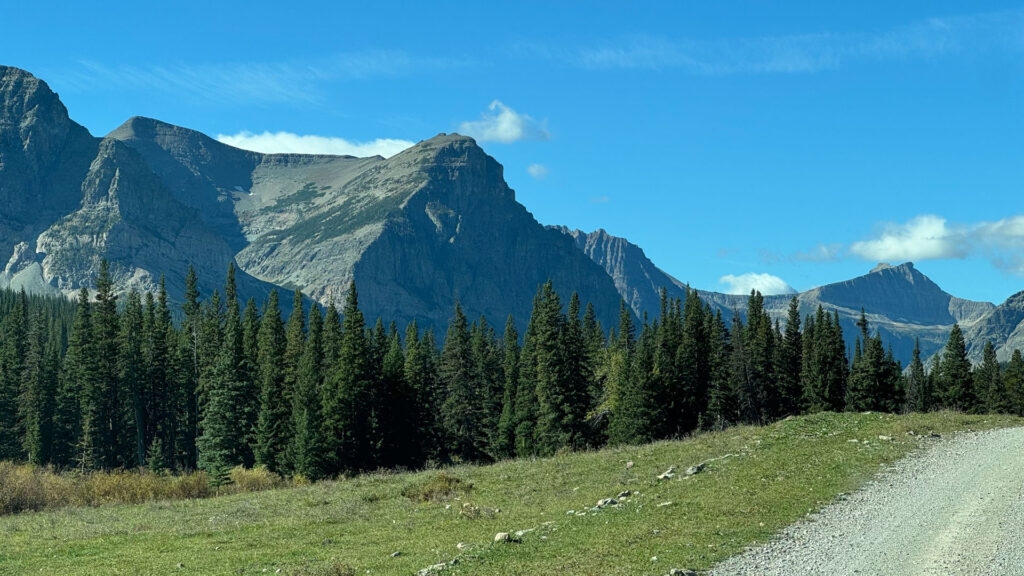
(899, 301)
(417, 231)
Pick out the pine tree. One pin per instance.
(989, 383)
(132, 368)
(723, 404)
(505, 442)
(917, 389)
(790, 362)
(307, 448)
(223, 443)
(108, 431)
(526, 390)
(295, 339)
(14, 330)
(488, 367)
(164, 398)
(421, 377)
(273, 423)
(693, 365)
(633, 420)
(397, 422)
(37, 392)
(190, 368)
(351, 394)
(1014, 379)
(462, 410)
(953, 377)
(75, 374)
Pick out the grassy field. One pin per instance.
(403, 523)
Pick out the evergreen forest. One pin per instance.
(111, 382)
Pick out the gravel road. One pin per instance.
(954, 508)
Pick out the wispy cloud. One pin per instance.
(766, 284)
(503, 124)
(599, 200)
(538, 171)
(793, 54)
(248, 82)
(931, 237)
(286, 142)
(821, 253)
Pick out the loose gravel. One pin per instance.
(955, 508)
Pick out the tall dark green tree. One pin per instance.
(989, 383)
(308, 446)
(351, 394)
(273, 423)
(462, 412)
(504, 444)
(790, 362)
(132, 367)
(917, 387)
(953, 376)
(1014, 378)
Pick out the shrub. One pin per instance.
(253, 479)
(438, 488)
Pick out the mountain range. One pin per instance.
(417, 231)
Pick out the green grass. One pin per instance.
(778, 474)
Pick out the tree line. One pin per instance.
(113, 382)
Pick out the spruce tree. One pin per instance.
(132, 367)
(307, 448)
(1014, 378)
(723, 408)
(953, 377)
(989, 383)
(37, 392)
(462, 410)
(526, 391)
(693, 371)
(351, 394)
(13, 331)
(790, 362)
(421, 378)
(916, 387)
(505, 442)
(273, 423)
(75, 374)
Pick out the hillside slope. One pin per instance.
(755, 482)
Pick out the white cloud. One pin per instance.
(503, 124)
(930, 237)
(538, 171)
(288, 143)
(766, 284)
(926, 237)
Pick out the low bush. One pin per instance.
(26, 488)
(438, 488)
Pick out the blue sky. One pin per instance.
(802, 142)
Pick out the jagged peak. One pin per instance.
(13, 72)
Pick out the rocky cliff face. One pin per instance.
(417, 231)
(1003, 325)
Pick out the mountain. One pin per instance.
(900, 302)
(416, 231)
(1003, 325)
(433, 224)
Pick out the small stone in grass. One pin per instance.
(502, 537)
(396, 554)
(629, 465)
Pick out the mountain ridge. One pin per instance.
(434, 224)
